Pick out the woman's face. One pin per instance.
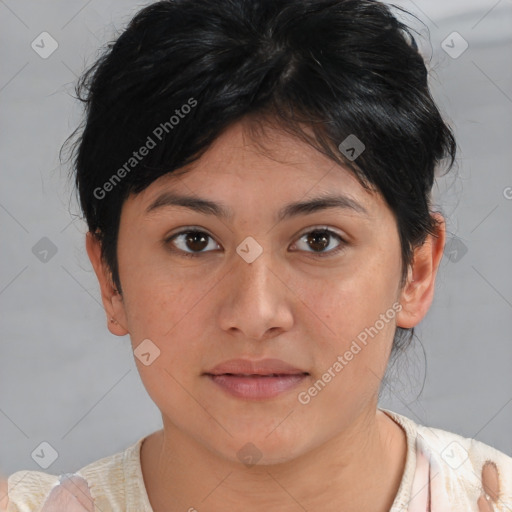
(261, 285)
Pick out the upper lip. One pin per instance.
(249, 367)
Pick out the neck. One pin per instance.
(360, 468)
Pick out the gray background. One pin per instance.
(66, 380)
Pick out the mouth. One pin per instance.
(258, 368)
(258, 375)
(256, 386)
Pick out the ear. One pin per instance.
(418, 292)
(111, 298)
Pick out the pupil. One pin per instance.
(318, 235)
(195, 237)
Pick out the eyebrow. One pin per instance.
(208, 207)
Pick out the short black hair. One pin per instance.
(185, 70)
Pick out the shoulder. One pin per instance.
(462, 469)
(27, 490)
(105, 478)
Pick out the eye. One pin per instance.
(194, 239)
(193, 242)
(320, 239)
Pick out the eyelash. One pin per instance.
(325, 230)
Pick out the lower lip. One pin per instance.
(257, 388)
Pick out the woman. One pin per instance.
(256, 178)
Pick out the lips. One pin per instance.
(256, 380)
(249, 368)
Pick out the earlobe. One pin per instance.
(418, 292)
(111, 298)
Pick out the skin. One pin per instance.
(4, 500)
(338, 452)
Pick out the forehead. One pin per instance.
(245, 165)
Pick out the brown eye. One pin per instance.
(196, 240)
(317, 241)
(190, 242)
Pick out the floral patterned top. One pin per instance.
(444, 472)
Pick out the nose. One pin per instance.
(257, 303)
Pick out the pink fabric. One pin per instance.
(70, 495)
(429, 490)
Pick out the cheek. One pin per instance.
(161, 308)
(350, 300)
(165, 314)
(173, 313)
(352, 313)
(157, 295)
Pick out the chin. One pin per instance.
(260, 450)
